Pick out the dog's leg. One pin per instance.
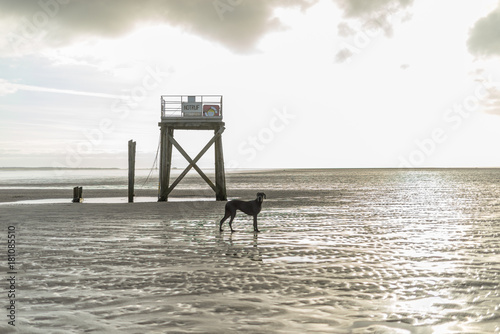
(233, 214)
(226, 216)
(255, 229)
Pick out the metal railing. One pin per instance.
(204, 106)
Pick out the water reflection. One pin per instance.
(108, 200)
(240, 245)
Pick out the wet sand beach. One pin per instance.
(328, 260)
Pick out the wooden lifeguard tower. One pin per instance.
(191, 112)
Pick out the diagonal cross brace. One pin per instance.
(192, 162)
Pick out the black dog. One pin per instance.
(251, 208)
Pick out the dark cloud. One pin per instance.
(363, 8)
(484, 39)
(374, 14)
(237, 24)
(365, 19)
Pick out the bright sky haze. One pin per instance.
(306, 83)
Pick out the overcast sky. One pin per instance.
(306, 83)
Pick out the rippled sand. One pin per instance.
(320, 265)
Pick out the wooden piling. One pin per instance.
(220, 177)
(77, 194)
(131, 170)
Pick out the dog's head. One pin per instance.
(260, 197)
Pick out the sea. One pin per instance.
(341, 251)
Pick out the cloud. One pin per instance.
(345, 30)
(492, 103)
(343, 55)
(363, 8)
(7, 88)
(237, 24)
(366, 20)
(374, 14)
(484, 39)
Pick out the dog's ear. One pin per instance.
(264, 195)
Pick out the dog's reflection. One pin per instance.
(240, 246)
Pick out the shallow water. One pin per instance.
(373, 252)
(105, 200)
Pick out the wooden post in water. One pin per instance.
(77, 194)
(220, 177)
(131, 170)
